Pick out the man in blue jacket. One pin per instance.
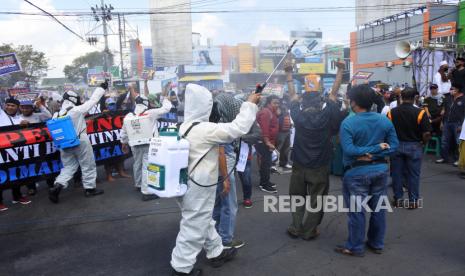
(367, 138)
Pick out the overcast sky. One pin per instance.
(62, 47)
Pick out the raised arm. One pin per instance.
(289, 80)
(227, 132)
(337, 83)
(94, 99)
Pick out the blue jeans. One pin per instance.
(246, 180)
(225, 210)
(449, 139)
(407, 162)
(371, 184)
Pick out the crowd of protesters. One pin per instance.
(382, 133)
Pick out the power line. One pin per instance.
(52, 16)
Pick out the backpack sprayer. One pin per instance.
(260, 87)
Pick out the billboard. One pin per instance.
(171, 32)
(272, 48)
(206, 60)
(309, 46)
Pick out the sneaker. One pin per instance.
(247, 203)
(3, 207)
(456, 163)
(225, 256)
(93, 192)
(273, 169)
(440, 161)
(194, 272)
(54, 192)
(267, 189)
(149, 197)
(234, 244)
(22, 200)
(288, 166)
(273, 185)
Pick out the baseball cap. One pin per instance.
(433, 86)
(26, 102)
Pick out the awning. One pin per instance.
(200, 78)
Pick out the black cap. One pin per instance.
(433, 86)
(12, 101)
(460, 59)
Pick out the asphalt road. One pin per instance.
(118, 234)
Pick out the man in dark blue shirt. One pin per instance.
(367, 138)
(316, 121)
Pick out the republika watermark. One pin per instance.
(328, 204)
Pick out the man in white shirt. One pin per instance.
(441, 78)
(8, 117)
(28, 116)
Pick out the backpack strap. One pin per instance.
(420, 116)
(189, 129)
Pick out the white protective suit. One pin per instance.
(82, 155)
(140, 152)
(197, 229)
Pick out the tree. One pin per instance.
(77, 71)
(33, 63)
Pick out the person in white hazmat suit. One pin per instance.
(197, 227)
(82, 155)
(140, 152)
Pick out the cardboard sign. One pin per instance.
(360, 75)
(273, 89)
(9, 63)
(312, 83)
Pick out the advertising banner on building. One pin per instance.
(171, 32)
(206, 60)
(442, 30)
(9, 63)
(311, 68)
(272, 48)
(27, 153)
(309, 46)
(13, 92)
(333, 54)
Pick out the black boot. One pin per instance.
(54, 192)
(225, 256)
(93, 192)
(194, 272)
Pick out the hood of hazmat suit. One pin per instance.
(71, 106)
(197, 229)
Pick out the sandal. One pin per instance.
(344, 251)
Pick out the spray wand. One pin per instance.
(260, 87)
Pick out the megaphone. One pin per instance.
(404, 48)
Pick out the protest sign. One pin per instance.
(27, 153)
(9, 63)
(273, 89)
(14, 92)
(360, 75)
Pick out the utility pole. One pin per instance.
(104, 13)
(120, 32)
